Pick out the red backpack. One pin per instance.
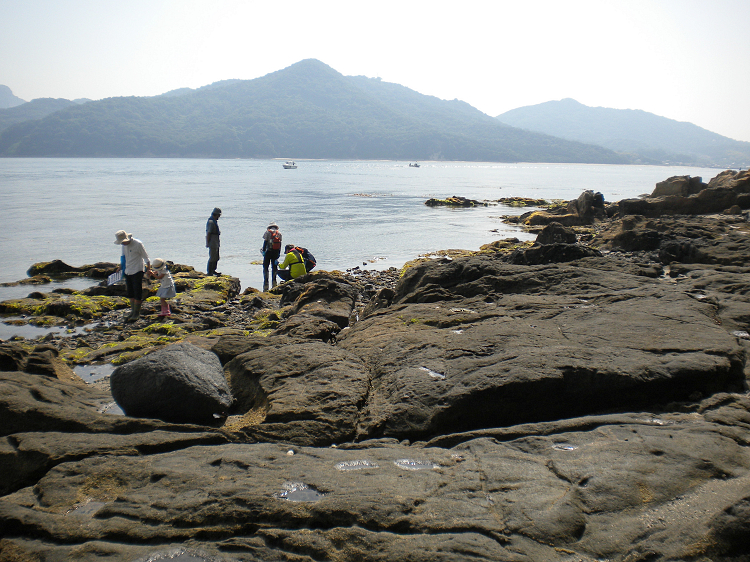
(275, 239)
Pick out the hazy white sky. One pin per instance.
(684, 59)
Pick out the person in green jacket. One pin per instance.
(294, 261)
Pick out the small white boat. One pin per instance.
(415, 165)
(289, 165)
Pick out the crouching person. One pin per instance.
(294, 261)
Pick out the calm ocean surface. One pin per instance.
(346, 213)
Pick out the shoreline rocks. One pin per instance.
(584, 397)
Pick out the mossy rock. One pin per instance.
(522, 202)
(165, 328)
(455, 201)
(36, 280)
(543, 218)
(46, 321)
(504, 246)
(54, 268)
(451, 254)
(63, 306)
(267, 320)
(24, 306)
(120, 352)
(82, 306)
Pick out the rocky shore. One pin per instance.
(581, 398)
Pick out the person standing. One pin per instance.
(271, 251)
(294, 261)
(167, 289)
(212, 241)
(136, 262)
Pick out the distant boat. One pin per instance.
(289, 166)
(415, 165)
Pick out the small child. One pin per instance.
(166, 290)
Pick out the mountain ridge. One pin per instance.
(307, 110)
(8, 99)
(648, 137)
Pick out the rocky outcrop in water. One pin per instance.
(561, 401)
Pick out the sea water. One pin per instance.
(369, 214)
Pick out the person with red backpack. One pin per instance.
(271, 251)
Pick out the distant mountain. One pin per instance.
(647, 137)
(7, 99)
(183, 91)
(307, 110)
(35, 109)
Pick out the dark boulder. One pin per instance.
(41, 360)
(53, 268)
(635, 234)
(730, 530)
(555, 233)
(180, 383)
(588, 206)
(58, 268)
(321, 295)
(552, 253)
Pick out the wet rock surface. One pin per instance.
(583, 398)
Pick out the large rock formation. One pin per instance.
(689, 196)
(565, 401)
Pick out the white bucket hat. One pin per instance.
(158, 263)
(122, 236)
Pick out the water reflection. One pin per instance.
(409, 464)
(91, 373)
(85, 509)
(298, 492)
(8, 329)
(23, 291)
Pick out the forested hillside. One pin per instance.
(35, 109)
(307, 110)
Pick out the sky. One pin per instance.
(687, 60)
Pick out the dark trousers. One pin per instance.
(271, 257)
(134, 286)
(213, 259)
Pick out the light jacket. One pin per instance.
(136, 257)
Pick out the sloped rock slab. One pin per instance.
(672, 487)
(34, 403)
(181, 383)
(549, 343)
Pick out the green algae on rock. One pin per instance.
(455, 201)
